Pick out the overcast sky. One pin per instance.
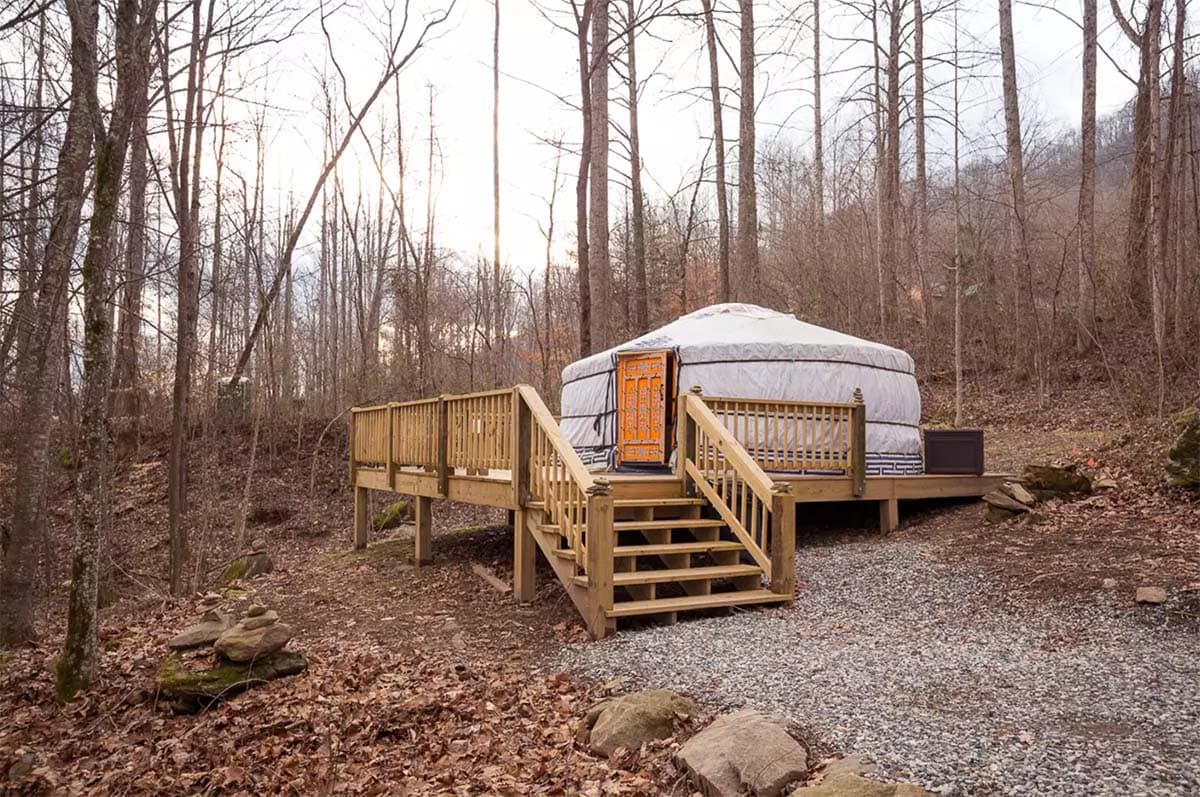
(538, 64)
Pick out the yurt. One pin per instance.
(743, 351)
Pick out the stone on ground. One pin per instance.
(843, 778)
(392, 515)
(1051, 481)
(745, 752)
(1006, 502)
(205, 686)
(1183, 459)
(249, 565)
(632, 720)
(1154, 595)
(1017, 492)
(243, 643)
(997, 515)
(211, 626)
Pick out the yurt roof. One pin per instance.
(747, 332)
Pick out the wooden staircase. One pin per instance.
(669, 555)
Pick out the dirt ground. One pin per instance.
(429, 680)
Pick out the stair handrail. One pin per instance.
(760, 512)
(547, 467)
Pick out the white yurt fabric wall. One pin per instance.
(746, 351)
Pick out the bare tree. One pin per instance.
(498, 334)
(724, 289)
(747, 242)
(600, 268)
(37, 371)
(1085, 311)
(641, 311)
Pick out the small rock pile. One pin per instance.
(1039, 485)
(247, 653)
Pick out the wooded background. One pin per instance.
(139, 265)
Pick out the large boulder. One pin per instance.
(253, 563)
(254, 636)
(214, 623)
(1183, 459)
(745, 752)
(844, 778)
(632, 720)
(1052, 481)
(201, 687)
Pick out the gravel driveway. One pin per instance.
(932, 673)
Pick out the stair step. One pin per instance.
(693, 602)
(659, 549)
(679, 523)
(679, 574)
(657, 502)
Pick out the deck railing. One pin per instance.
(759, 512)
(479, 431)
(794, 436)
(415, 434)
(369, 435)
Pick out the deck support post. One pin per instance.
(783, 541)
(521, 448)
(362, 517)
(440, 443)
(600, 543)
(858, 445)
(685, 443)
(889, 514)
(391, 445)
(524, 559)
(422, 547)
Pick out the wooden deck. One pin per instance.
(718, 531)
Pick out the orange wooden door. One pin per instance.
(642, 403)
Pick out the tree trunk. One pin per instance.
(582, 246)
(747, 242)
(600, 266)
(641, 300)
(724, 289)
(921, 199)
(1085, 310)
(498, 336)
(37, 373)
(1016, 173)
(822, 267)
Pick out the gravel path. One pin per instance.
(929, 671)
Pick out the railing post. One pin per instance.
(783, 540)
(858, 444)
(443, 456)
(522, 431)
(353, 464)
(391, 445)
(600, 558)
(685, 431)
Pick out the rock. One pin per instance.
(843, 778)
(22, 767)
(1050, 481)
(1153, 595)
(211, 625)
(1017, 492)
(255, 609)
(997, 515)
(632, 720)
(1105, 483)
(1006, 502)
(1183, 458)
(248, 566)
(259, 621)
(392, 515)
(743, 752)
(1109, 583)
(206, 686)
(259, 545)
(209, 599)
(246, 644)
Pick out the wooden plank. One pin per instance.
(858, 445)
(481, 491)
(783, 544)
(657, 549)
(442, 443)
(490, 579)
(632, 577)
(362, 517)
(422, 544)
(524, 559)
(522, 431)
(599, 564)
(670, 523)
(695, 602)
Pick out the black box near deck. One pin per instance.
(954, 451)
